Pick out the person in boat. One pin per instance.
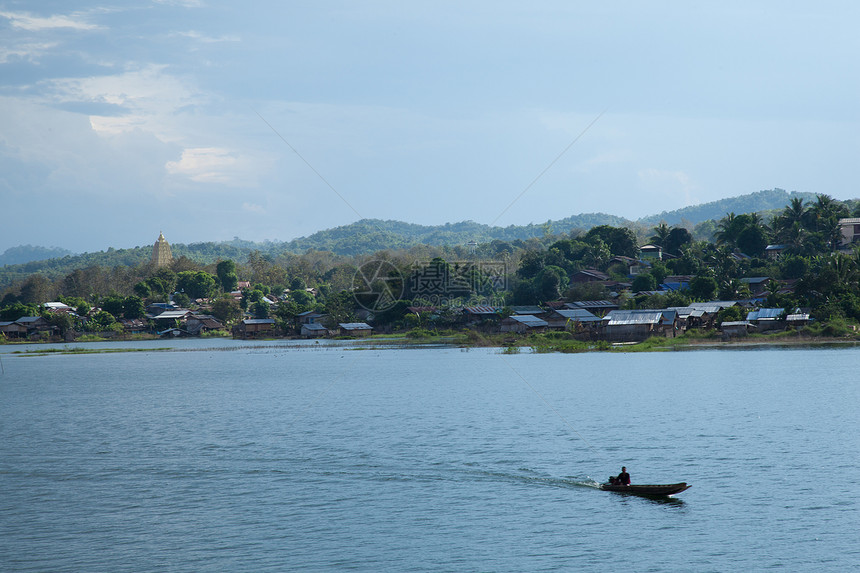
(622, 479)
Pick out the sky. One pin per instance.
(270, 120)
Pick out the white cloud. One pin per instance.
(149, 96)
(27, 21)
(200, 37)
(25, 51)
(669, 182)
(253, 208)
(207, 165)
(182, 3)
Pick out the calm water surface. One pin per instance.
(226, 456)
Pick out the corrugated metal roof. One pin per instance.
(529, 320)
(591, 304)
(765, 314)
(313, 326)
(579, 315)
(625, 317)
(310, 313)
(173, 314)
(259, 321)
(526, 309)
(354, 325)
(682, 311)
(482, 309)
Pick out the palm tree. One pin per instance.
(794, 211)
(789, 220)
(825, 214)
(726, 233)
(661, 231)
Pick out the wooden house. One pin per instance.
(11, 329)
(477, 314)
(35, 325)
(573, 319)
(314, 330)
(774, 251)
(596, 307)
(767, 318)
(355, 329)
(736, 328)
(523, 323)
(588, 276)
(849, 228)
(633, 325)
(757, 285)
(197, 324)
(651, 252)
(254, 327)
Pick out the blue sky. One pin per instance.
(182, 116)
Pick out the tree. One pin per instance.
(549, 283)
(61, 320)
(36, 289)
(677, 238)
(823, 217)
(728, 229)
(181, 300)
(17, 310)
(339, 308)
(227, 277)
(302, 297)
(132, 307)
(143, 290)
(661, 233)
(621, 241)
(226, 309)
(644, 282)
(100, 321)
(703, 287)
(112, 304)
(260, 309)
(752, 240)
(196, 284)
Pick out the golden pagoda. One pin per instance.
(161, 256)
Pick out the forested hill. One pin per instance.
(751, 203)
(369, 235)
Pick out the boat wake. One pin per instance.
(534, 478)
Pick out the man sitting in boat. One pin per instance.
(622, 479)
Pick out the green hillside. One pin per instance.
(751, 203)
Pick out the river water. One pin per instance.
(229, 456)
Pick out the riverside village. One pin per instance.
(638, 297)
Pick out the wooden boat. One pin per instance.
(655, 490)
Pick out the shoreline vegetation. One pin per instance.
(535, 343)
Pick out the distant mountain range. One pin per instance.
(26, 253)
(370, 235)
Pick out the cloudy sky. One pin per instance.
(209, 119)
